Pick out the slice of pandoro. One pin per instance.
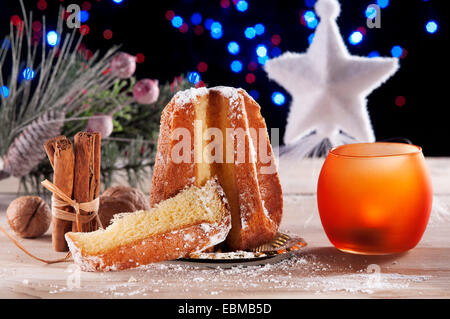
(193, 220)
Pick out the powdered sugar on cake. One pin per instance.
(187, 96)
(230, 93)
(265, 209)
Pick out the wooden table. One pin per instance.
(319, 271)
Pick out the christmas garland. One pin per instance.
(66, 89)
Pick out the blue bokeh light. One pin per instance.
(371, 12)
(254, 94)
(52, 38)
(217, 34)
(259, 28)
(84, 16)
(373, 54)
(242, 5)
(310, 3)
(216, 27)
(194, 77)
(236, 66)
(274, 52)
(261, 50)
(216, 30)
(311, 38)
(28, 74)
(177, 21)
(4, 90)
(233, 47)
(196, 18)
(208, 23)
(355, 38)
(310, 19)
(6, 44)
(396, 51)
(278, 98)
(250, 33)
(431, 26)
(117, 1)
(263, 59)
(382, 3)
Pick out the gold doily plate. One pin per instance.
(281, 246)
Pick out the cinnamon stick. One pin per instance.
(97, 171)
(87, 174)
(60, 153)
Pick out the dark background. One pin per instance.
(141, 27)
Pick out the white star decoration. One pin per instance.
(328, 86)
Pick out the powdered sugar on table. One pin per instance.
(301, 273)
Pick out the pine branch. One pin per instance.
(63, 78)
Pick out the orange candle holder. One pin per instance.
(374, 198)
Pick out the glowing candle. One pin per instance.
(374, 198)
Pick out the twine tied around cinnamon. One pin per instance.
(60, 200)
(57, 211)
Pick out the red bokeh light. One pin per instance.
(184, 28)
(198, 30)
(404, 54)
(200, 84)
(362, 30)
(202, 67)
(88, 53)
(275, 39)
(65, 14)
(84, 29)
(224, 3)
(301, 15)
(42, 5)
(107, 34)
(15, 20)
(140, 58)
(86, 6)
(20, 27)
(400, 101)
(170, 14)
(252, 66)
(250, 78)
(36, 26)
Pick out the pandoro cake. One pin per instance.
(252, 186)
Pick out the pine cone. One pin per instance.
(27, 150)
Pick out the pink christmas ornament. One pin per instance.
(123, 65)
(146, 91)
(102, 123)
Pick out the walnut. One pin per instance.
(29, 216)
(109, 206)
(133, 195)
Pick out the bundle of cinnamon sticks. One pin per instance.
(77, 174)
